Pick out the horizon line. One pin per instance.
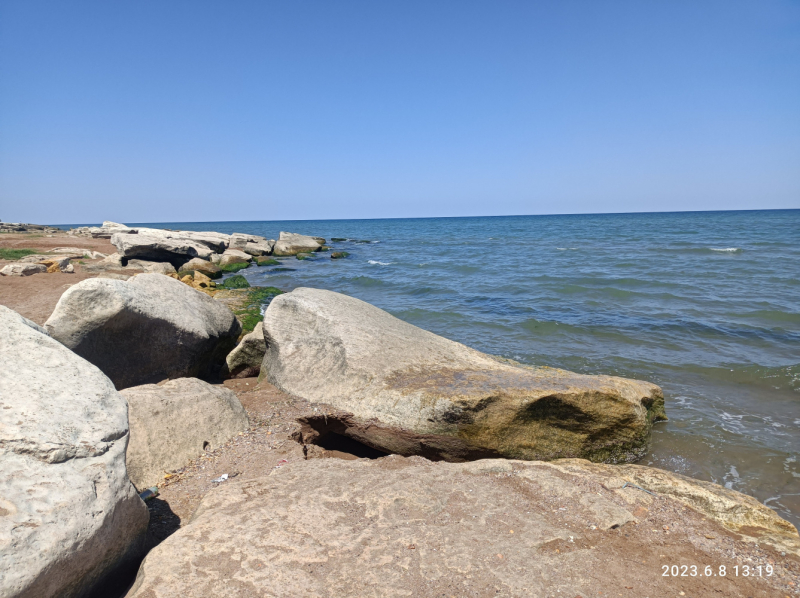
(447, 217)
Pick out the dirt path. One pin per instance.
(36, 296)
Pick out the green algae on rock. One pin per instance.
(337, 255)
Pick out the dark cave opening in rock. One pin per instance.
(338, 443)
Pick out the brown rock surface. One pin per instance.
(365, 547)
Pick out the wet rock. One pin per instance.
(144, 330)
(70, 520)
(410, 391)
(245, 360)
(339, 255)
(175, 422)
(234, 256)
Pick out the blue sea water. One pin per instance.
(705, 304)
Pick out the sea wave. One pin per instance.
(377, 263)
(727, 249)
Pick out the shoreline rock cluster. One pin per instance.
(479, 452)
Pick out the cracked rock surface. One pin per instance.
(70, 520)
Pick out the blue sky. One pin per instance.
(201, 111)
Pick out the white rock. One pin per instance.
(22, 269)
(153, 267)
(173, 423)
(292, 244)
(159, 248)
(68, 513)
(410, 391)
(144, 330)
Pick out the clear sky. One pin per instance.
(154, 111)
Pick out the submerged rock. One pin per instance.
(70, 520)
(409, 391)
(144, 330)
(410, 527)
(245, 360)
(173, 423)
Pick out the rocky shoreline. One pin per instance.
(368, 457)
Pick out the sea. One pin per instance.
(704, 304)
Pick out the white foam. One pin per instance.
(377, 263)
(726, 249)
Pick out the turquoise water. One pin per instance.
(707, 305)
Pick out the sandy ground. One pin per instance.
(36, 296)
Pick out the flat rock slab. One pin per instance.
(409, 527)
(175, 422)
(69, 516)
(158, 247)
(144, 330)
(410, 392)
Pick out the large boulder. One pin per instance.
(152, 267)
(408, 391)
(245, 360)
(234, 256)
(144, 330)
(260, 248)
(197, 265)
(173, 423)
(218, 242)
(409, 527)
(70, 520)
(292, 244)
(159, 248)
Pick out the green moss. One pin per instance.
(304, 256)
(234, 267)
(250, 314)
(234, 282)
(324, 248)
(337, 255)
(267, 261)
(337, 239)
(8, 253)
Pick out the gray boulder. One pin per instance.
(197, 265)
(217, 242)
(260, 248)
(401, 389)
(234, 256)
(22, 269)
(173, 423)
(159, 248)
(70, 520)
(292, 244)
(144, 330)
(152, 267)
(245, 360)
